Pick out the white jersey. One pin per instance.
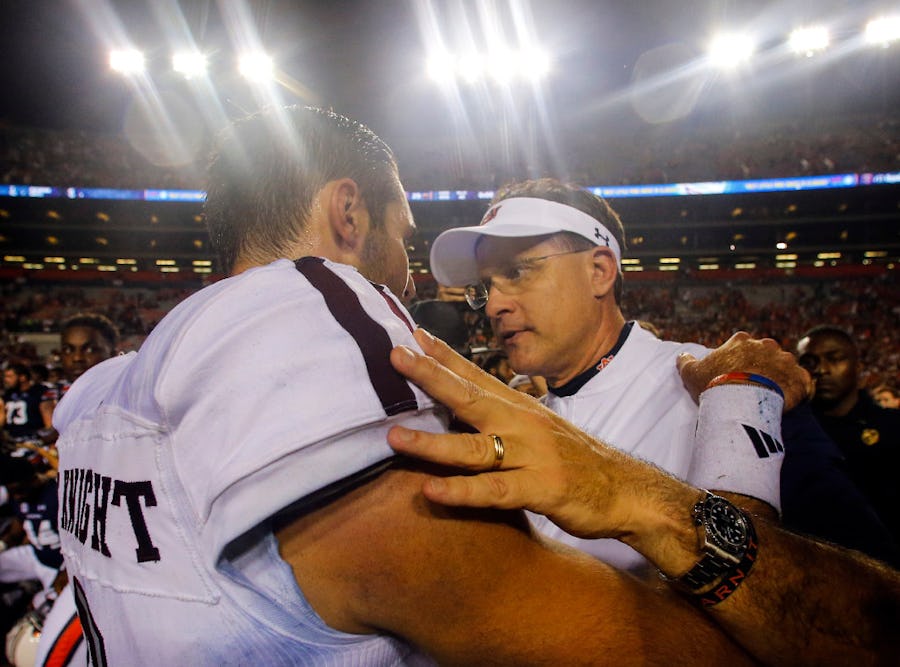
(638, 404)
(251, 395)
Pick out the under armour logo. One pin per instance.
(763, 443)
(598, 236)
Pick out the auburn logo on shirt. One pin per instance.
(604, 362)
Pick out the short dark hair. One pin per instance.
(831, 330)
(39, 372)
(19, 368)
(100, 323)
(577, 197)
(268, 167)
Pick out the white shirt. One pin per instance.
(638, 404)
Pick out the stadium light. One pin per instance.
(809, 41)
(189, 64)
(882, 31)
(256, 66)
(470, 67)
(128, 61)
(441, 67)
(535, 63)
(502, 66)
(730, 50)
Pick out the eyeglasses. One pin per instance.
(510, 280)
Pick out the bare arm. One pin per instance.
(476, 587)
(47, 413)
(804, 602)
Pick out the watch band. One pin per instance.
(707, 570)
(734, 577)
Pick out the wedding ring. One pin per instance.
(499, 452)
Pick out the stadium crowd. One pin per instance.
(777, 149)
(705, 312)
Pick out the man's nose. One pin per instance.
(497, 302)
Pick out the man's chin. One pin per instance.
(826, 401)
(522, 364)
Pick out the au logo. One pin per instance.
(490, 215)
(870, 436)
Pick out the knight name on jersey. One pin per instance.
(88, 499)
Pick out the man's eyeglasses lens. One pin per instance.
(476, 295)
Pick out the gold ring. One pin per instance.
(499, 452)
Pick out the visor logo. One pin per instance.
(490, 215)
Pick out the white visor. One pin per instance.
(453, 251)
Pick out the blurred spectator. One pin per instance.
(886, 397)
(498, 365)
(533, 386)
(707, 311)
(660, 154)
(35, 502)
(27, 405)
(444, 320)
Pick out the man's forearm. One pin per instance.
(803, 601)
(807, 602)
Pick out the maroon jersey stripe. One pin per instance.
(393, 306)
(373, 341)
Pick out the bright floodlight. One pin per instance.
(534, 63)
(189, 63)
(441, 67)
(808, 41)
(501, 65)
(256, 66)
(126, 61)
(731, 50)
(471, 67)
(883, 31)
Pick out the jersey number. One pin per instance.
(44, 537)
(16, 413)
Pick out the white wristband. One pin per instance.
(738, 443)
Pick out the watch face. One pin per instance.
(726, 524)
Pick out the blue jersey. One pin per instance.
(39, 519)
(23, 410)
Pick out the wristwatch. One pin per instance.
(724, 533)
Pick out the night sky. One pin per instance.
(366, 58)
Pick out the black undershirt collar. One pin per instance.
(571, 387)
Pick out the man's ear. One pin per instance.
(347, 212)
(604, 270)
